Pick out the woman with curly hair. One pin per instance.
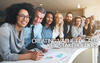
(11, 37)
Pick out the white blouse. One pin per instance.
(57, 31)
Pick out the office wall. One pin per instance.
(93, 10)
(78, 12)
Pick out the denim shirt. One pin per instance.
(77, 31)
(47, 33)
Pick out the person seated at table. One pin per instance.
(68, 25)
(11, 34)
(92, 28)
(48, 25)
(58, 29)
(34, 29)
(86, 27)
(77, 30)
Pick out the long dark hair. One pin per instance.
(53, 22)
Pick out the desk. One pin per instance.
(71, 54)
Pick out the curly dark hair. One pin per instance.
(12, 11)
(53, 22)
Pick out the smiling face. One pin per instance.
(22, 18)
(49, 19)
(78, 22)
(69, 17)
(87, 21)
(38, 17)
(59, 18)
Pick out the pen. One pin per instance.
(37, 51)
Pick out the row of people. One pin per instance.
(25, 23)
(55, 26)
(12, 43)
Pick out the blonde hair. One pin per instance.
(59, 26)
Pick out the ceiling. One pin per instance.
(53, 5)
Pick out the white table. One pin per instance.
(71, 53)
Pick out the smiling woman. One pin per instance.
(77, 30)
(11, 36)
(23, 18)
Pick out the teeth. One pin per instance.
(24, 23)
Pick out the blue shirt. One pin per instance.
(47, 33)
(37, 33)
(77, 31)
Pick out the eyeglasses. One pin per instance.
(23, 16)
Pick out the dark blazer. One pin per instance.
(67, 34)
(86, 31)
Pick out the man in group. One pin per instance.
(67, 25)
(34, 29)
